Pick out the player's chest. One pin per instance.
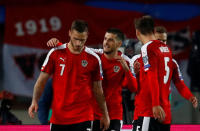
(112, 70)
(71, 64)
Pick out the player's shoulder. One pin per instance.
(155, 44)
(58, 48)
(55, 51)
(91, 54)
(175, 63)
(125, 57)
(135, 57)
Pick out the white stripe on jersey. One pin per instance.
(88, 50)
(145, 56)
(99, 51)
(179, 72)
(126, 58)
(145, 124)
(133, 59)
(50, 52)
(130, 65)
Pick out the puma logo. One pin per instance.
(62, 59)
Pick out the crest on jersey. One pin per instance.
(84, 63)
(116, 69)
(145, 60)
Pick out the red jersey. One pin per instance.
(73, 75)
(114, 79)
(157, 68)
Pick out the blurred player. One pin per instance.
(161, 35)
(116, 74)
(154, 78)
(76, 73)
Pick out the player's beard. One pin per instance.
(76, 48)
(109, 52)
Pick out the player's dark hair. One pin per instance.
(80, 26)
(117, 32)
(145, 25)
(160, 29)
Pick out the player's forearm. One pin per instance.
(183, 90)
(98, 93)
(132, 82)
(39, 86)
(38, 89)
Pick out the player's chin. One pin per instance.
(78, 47)
(106, 50)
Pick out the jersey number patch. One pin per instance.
(62, 70)
(166, 77)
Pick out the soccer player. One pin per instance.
(116, 74)
(154, 79)
(156, 64)
(76, 74)
(161, 34)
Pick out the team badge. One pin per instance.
(84, 63)
(145, 60)
(116, 68)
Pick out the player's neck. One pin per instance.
(111, 55)
(72, 50)
(147, 38)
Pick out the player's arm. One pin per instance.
(129, 80)
(38, 89)
(181, 86)
(98, 93)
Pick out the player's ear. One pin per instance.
(137, 32)
(69, 33)
(119, 44)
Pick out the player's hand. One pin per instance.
(194, 101)
(159, 113)
(52, 42)
(104, 122)
(136, 66)
(33, 108)
(123, 63)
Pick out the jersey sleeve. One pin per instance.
(48, 65)
(130, 81)
(150, 68)
(97, 70)
(179, 82)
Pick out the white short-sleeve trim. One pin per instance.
(50, 52)
(178, 69)
(145, 58)
(133, 59)
(90, 51)
(99, 51)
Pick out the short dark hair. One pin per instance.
(118, 32)
(145, 25)
(80, 26)
(160, 29)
